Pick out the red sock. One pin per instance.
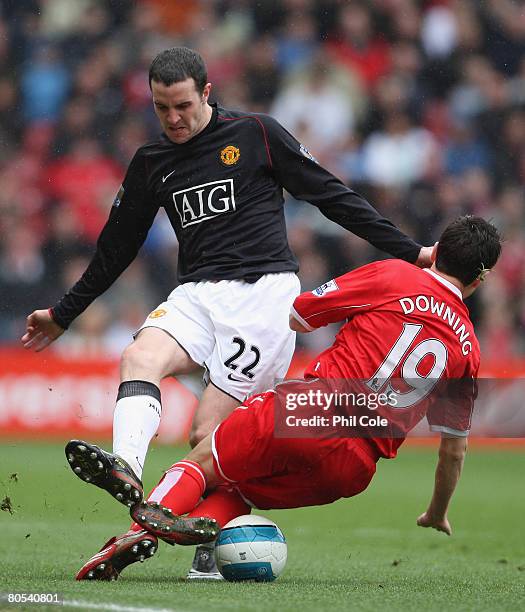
(223, 504)
(180, 489)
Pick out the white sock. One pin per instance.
(135, 422)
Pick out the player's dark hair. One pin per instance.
(468, 248)
(178, 64)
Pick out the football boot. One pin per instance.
(173, 529)
(105, 470)
(204, 566)
(118, 553)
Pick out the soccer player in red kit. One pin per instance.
(407, 331)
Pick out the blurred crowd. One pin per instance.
(418, 105)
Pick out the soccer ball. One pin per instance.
(250, 547)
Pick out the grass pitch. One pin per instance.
(360, 554)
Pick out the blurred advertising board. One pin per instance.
(47, 395)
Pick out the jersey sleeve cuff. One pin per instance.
(56, 317)
(297, 316)
(449, 430)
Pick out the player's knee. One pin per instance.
(140, 361)
(198, 433)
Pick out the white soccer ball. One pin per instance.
(250, 547)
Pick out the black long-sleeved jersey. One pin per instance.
(223, 193)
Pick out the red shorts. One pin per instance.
(275, 472)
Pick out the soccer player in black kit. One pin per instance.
(219, 174)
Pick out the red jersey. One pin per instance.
(273, 472)
(404, 324)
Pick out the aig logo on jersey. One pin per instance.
(326, 288)
(204, 202)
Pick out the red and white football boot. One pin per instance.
(118, 553)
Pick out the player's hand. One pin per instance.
(41, 330)
(440, 524)
(424, 259)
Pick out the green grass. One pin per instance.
(362, 554)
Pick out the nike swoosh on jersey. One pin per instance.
(165, 178)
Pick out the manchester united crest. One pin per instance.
(160, 312)
(230, 155)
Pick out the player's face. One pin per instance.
(182, 111)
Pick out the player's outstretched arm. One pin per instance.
(451, 456)
(41, 330)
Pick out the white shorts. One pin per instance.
(237, 330)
